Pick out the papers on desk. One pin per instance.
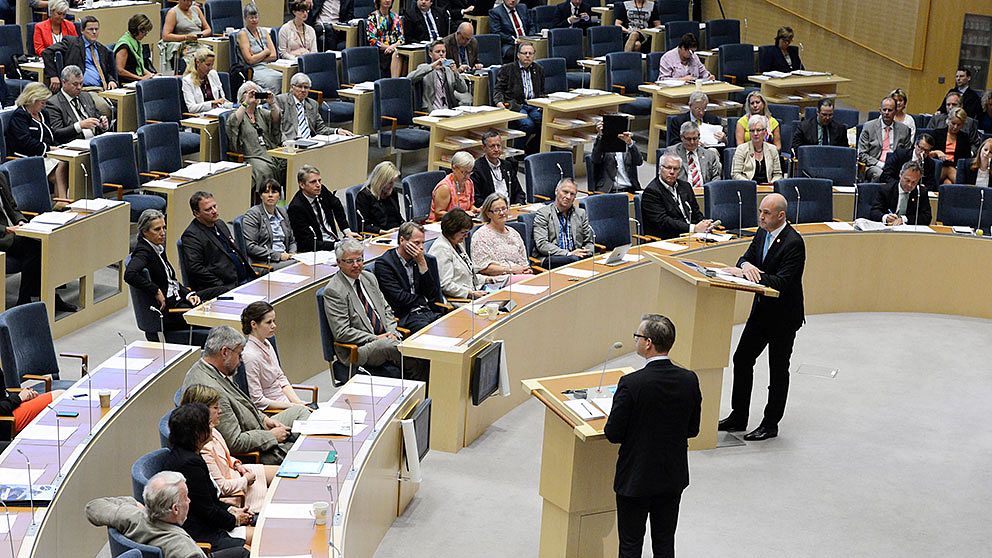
(585, 409)
(963, 230)
(669, 83)
(219, 110)
(280, 510)
(351, 90)
(55, 217)
(444, 113)
(807, 73)
(13, 475)
(198, 121)
(605, 404)
(532, 207)
(361, 386)
(670, 246)
(331, 138)
(590, 92)
(38, 227)
(300, 467)
(527, 289)
(840, 226)
(438, 341)
(562, 96)
(365, 86)
(240, 298)
(284, 63)
(283, 277)
(83, 394)
(196, 171)
(326, 412)
(913, 228)
(775, 74)
(315, 258)
(574, 272)
(169, 184)
(845, 189)
(98, 204)
(78, 145)
(626, 258)
(707, 134)
(716, 237)
(327, 427)
(46, 432)
(863, 224)
(721, 275)
(133, 364)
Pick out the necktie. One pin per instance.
(321, 221)
(439, 94)
(694, 172)
(903, 202)
(96, 62)
(886, 143)
(431, 29)
(516, 22)
(302, 126)
(79, 108)
(463, 54)
(369, 310)
(768, 244)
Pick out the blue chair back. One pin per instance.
(183, 268)
(11, 43)
(392, 97)
(28, 184)
(417, 190)
(234, 52)
(123, 547)
(159, 99)
(322, 69)
(542, 171)
(624, 69)
(817, 205)
(736, 62)
(604, 39)
(493, 71)
(675, 29)
(672, 10)
(543, 17)
(720, 201)
(351, 207)
(847, 117)
(528, 235)
(592, 172)
(490, 53)
(158, 145)
(609, 217)
(567, 44)
(26, 344)
(555, 75)
(363, 8)
(721, 32)
(873, 114)
(784, 113)
(786, 129)
(673, 133)
(146, 467)
(838, 164)
(222, 141)
(112, 160)
(728, 161)
(225, 84)
(5, 116)
(222, 14)
(360, 64)
(163, 429)
(654, 61)
(326, 337)
(958, 205)
(146, 320)
(238, 230)
(865, 192)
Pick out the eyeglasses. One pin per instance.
(757, 130)
(499, 211)
(670, 167)
(352, 261)
(639, 336)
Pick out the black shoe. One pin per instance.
(761, 433)
(63, 306)
(731, 424)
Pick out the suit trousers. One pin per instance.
(418, 319)
(28, 253)
(753, 341)
(632, 514)
(551, 262)
(233, 552)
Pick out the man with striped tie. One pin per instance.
(699, 164)
(300, 114)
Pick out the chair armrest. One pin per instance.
(191, 115)
(447, 307)
(30, 213)
(262, 266)
(238, 157)
(253, 456)
(66, 200)
(421, 113)
(732, 78)
(84, 361)
(207, 547)
(150, 121)
(404, 331)
(645, 238)
(542, 198)
(118, 187)
(600, 247)
(177, 310)
(538, 269)
(393, 123)
(152, 175)
(620, 88)
(46, 379)
(319, 94)
(272, 412)
(312, 389)
(352, 351)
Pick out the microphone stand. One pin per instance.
(313, 270)
(981, 207)
(30, 484)
(58, 440)
(161, 322)
(89, 382)
(210, 163)
(372, 395)
(799, 203)
(354, 455)
(361, 222)
(121, 335)
(598, 392)
(10, 533)
(740, 215)
(855, 202)
(916, 219)
(333, 520)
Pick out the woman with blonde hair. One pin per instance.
(951, 145)
(202, 89)
(977, 172)
(756, 104)
(901, 99)
(497, 250)
(378, 203)
(456, 189)
(28, 135)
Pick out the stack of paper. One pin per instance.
(283, 277)
(670, 82)
(170, 184)
(585, 409)
(219, 110)
(134, 364)
(38, 227)
(78, 145)
(670, 246)
(528, 289)
(574, 272)
(444, 113)
(93, 205)
(562, 96)
(55, 217)
(439, 341)
(46, 432)
(327, 428)
(365, 86)
(713, 237)
(284, 63)
(316, 258)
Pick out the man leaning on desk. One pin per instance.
(898, 202)
(214, 263)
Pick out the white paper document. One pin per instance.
(133, 364)
(913, 228)
(78, 144)
(532, 207)
(197, 121)
(93, 205)
(444, 113)
(707, 134)
(670, 246)
(360, 386)
(83, 393)
(605, 404)
(626, 258)
(327, 427)
(38, 227)
(840, 226)
(283, 277)
(562, 96)
(713, 236)
(573, 272)
(845, 189)
(55, 217)
(365, 86)
(169, 184)
(46, 432)
(284, 63)
(670, 82)
(218, 111)
(439, 341)
(528, 289)
(246, 299)
(315, 258)
(585, 410)
(13, 475)
(326, 412)
(287, 511)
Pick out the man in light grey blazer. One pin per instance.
(243, 427)
(297, 101)
(261, 221)
(706, 160)
(555, 246)
(873, 139)
(440, 69)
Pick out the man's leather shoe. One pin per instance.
(731, 424)
(63, 306)
(761, 433)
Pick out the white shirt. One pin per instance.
(655, 358)
(330, 12)
(499, 183)
(774, 234)
(623, 181)
(675, 194)
(87, 132)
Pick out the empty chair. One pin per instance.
(159, 101)
(736, 62)
(785, 113)
(27, 351)
(672, 10)
(144, 468)
(811, 200)
(392, 104)
(492, 72)
(847, 117)
(528, 235)
(158, 145)
(417, 190)
(838, 164)
(735, 202)
(490, 53)
(351, 207)
(11, 44)
(567, 44)
(728, 161)
(653, 66)
(864, 195)
(360, 64)
(675, 29)
(542, 171)
(322, 69)
(29, 186)
(555, 75)
(721, 32)
(115, 168)
(543, 17)
(624, 73)
(222, 14)
(609, 217)
(592, 172)
(965, 206)
(123, 547)
(604, 39)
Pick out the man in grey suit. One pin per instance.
(562, 233)
(880, 137)
(699, 164)
(243, 427)
(300, 114)
(440, 71)
(72, 113)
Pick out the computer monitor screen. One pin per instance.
(421, 417)
(485, 372)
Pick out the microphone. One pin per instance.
(598, 392)
(916, 219)
(361, 220)
(855, 202)
(10, 538)
(30, 483)
(740, 215)
(354, 455)
(161, 322)
(331, 521)
(981, 206)
(121, 335)
(799, 203)
(58, 439)
(210, 165)
(313, 270)
(372, 395)
(561, 171)
(714, 225)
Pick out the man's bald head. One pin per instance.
(771, 212)
(465, 31)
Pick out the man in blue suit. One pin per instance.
(509, 20)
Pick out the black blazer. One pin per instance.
(26, 136)
(482, 180)
(887, 200)
(377, 215)
(347, 11)
(211, 271)
(962, 150)
(971, 102)
(806, 134)
(655, 411)
(208, 516)
(394, 283)
(510, 86)
(8, 217)
(563, 11)
(303, 220)
(62, 119)
(771, 59)
(967, 177)
(415, 25)
(901, 156)
(144, 257)
(782, 270)
(607, 165)
(73, 54)
(674, 132)
(660, 211)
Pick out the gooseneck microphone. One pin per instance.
(598, 392)
(161, 324)
(799, 203)
(981, 207)
(740, 215)
(354, 455)
(10, 538)
(124, 340)
(916, 219)
(372, 395)
(30, 483)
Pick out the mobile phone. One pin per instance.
(66, 414)
(448, 62)
(332, 456)
(287, 475)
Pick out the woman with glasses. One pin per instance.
(456, 189)
(756, 104)
(457, 272)
(497, 250)
(757, 159)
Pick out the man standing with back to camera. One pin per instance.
(655, 411)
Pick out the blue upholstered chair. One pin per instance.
(847, 117)
(11, 44)
(865, 193)
(967, 206)
(542, 171)
(784, 113)
(29, 186)
(555, 74)
(624, 73)
(543, 17)
(838, 164)
(638, 216)
(721, 201)
(340, 371)
(528, 235)
(360, 64)
(158, 146)
(351, 207)
(146, 467)
(592, 172)
(27, 351)
(609, 217)
(672, 10)
(417, 190)
(123, 547)
(222, 14)
(722, 32)
(392, 113)
(676, 28)
(114, 167)
(653, 63)
(490, 52)
(322, 69)
(814, 202)
(728, 161)
(567, 44)
(159, 100)
(736, 62)
(163, 429)
(604, 39)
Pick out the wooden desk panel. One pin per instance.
(113, 20)
(578, 108)
(440, 148)
(127, 108)
(663, 99)
(341, 164)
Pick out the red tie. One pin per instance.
(516, 22)
(886, 143)
(694, 172)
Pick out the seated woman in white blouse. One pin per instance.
(457, 273)
(202, 89)
(497, 250)
(268, 387)
(296, 38)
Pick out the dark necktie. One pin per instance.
(369, 310)
(826, 136)
(429, 18)
(321, 222)
(79, 108)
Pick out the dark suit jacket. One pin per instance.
(8, 217)
(962, 150)
(782, 270)
(303, 220)
(971, 102)
(898, 158)
(415, 25)
(806, 134)
(377, 215)
(396, 288)
(772, 59)
(144, 257)
(26, 136)
(208, 516)
(471, 49)
(660, 211)
(346, 12)
(674, 132)
(72, 49)
(887, 200)
(655, 411)
(62, 119)
(607, 165)
(563, 11)
(211, 271)
(510, 86)
(482, 179)
(501, 24)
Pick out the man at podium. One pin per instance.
(655, 411)
(776, 258)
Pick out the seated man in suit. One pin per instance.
(301, 115)
(898, 202)
(243, 427)
(462, 47)
(442, 86)
(573, 13)
(562, 233)
(316, 215)
(698, 101)
(822, 130)
(214, 263)
(87, 53)
(668, 204)
(424, 22)
(322, 17)
(699, 164)
(919, 154)
(970, 127)
(357, 313)
(518, 82)
(492, 173)
(409, 279)
(879, 138)
(509, 20)
(617, 171)
(72, 113)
